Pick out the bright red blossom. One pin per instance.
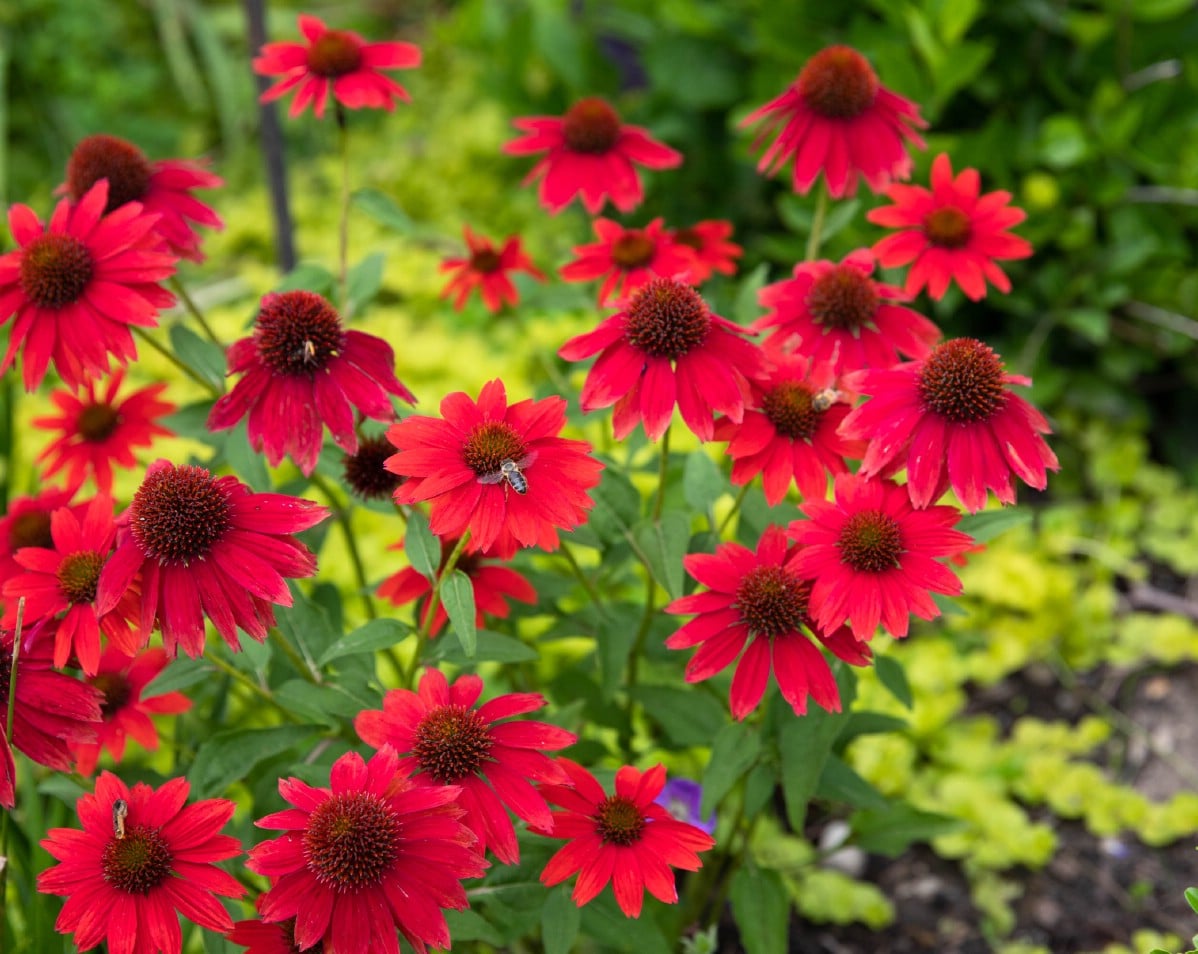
(711, 251)
(589, 151)
(950, 233)
(836, 118)
(207, 547)
(789, 430)
(74, 286)
(302, 372)
(163, 188)
(63, 579)
(457, 464)
(626, 838)
(27, 524)
(371, 853)
(628, 259)
(493, 585)
(665, 347)
(123, 711)
(336, 62)
(874, 558)
(487, 270)
(447, 739)
(759, 599)
(952, 420)
(96, 429)
(126, 890)
(836, 313)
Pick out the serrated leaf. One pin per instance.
(892, 831)
(733, 753)
(688, 717)
(383, 209)
(423, 549)
(746, 310)
(664, 543)
(368, 638)
(841, 784)
(490, 647)
(204, 357)
(364, 281)
(560, 920)
(989, 524)
(893, 676)
(761, 907)
(457, 596)
(702, 482)
(228, 756)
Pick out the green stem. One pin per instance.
(341, 515)
(740, 498)
(582, 578)
(194, 310)
(434, 600)
(817, 223)
(306, 668)
(343, 227)
(8, 727)
(261, 692)
(662, 470)
(177, 362)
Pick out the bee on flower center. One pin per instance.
(824, 399)
(120, 811)
(511, 471)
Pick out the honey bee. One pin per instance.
(120, 811)
(309, 350)
(512, 471)
(824, 399)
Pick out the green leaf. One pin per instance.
(560, 920)
(733, 753)
(228, 756)
(759, 787)
(616, 633)
(702, 482)
(307, 276)
(374, 635)
(664, 543)
(423, 549)
(558, 40)
(469, 925)
(954, 17)
(804, 745)
(617, 505)
(383, 209)
(892, 675)
(363, 282)
(746, 310)
(179, 674)
(490, 647)
(457, 596)
(893, 830)
(204, 357)
(324, 703)
(248, 464)
(839, 783)
(689, 717)
(989, 524)
(1192, 898)
(761, 907)
(868, 723)
(608, 925)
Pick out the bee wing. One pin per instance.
(526, 460)
(491, 478)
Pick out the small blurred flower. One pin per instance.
(683, 799)
(950, 233)
(163, 187)
(258, 937)
(836, 118)
(337, 62)
(628, 259)
(590, 151)
(365, 473)
(95, 431)
(710, 248)
(486, 270)
(27, 524)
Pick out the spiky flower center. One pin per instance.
(350, 841)
(947, 227)
(365, 473)
(619, 821)
(452, 742)
(30, 529)
(116, 689)
(178, 513)
(871, 542)
(335, 53)
(666, 319)
(633, 249)
(591, 126)
(78, 575)
(97, 422)
(485, 261)
(772, 601)
(137, 863)
(489, 445)
(107, 157)
(838, 83)
(962, 380)
(788, 405)
(55, 270)
(298, 333)
(843, 298)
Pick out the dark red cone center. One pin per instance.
(838, 83)
(619, 821)
(452, 742)
(666, 319)
(298, 332)
(962, 380)
(137, 863)
(948, 227)
(591, 126)
(97, 422)
(871, 542)
(178, 513)
(334, 54)
(78, 575)
(843, 298)
(485, 261)
(772, 601)
(116, 689)
(789, 408)
(489, 445)
(350, 841)
(689, 237)
(365, 473)
(632, 250)
(107, 157)
(31, 529)
(55, 270)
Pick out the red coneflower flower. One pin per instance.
(950, 233)
(873, 556)
(303, 371)
(447, 740)
(63, 579)
(163, 187)
(258, 937)
(665, 347)
(836, 313)
(493, 585)
(76, 285)
(500, 472)
(337, 62)
(142, 855)
(52, 711)
(836, 118)
(628, 259)
(590, 151)
(124, 712)
(486, 269)
(710, 249)
(372, 853)
(207, 547)
(95, 431)
(952, 419)
(27, 524)
(759, 598)
(789, 430)
(625, 838)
